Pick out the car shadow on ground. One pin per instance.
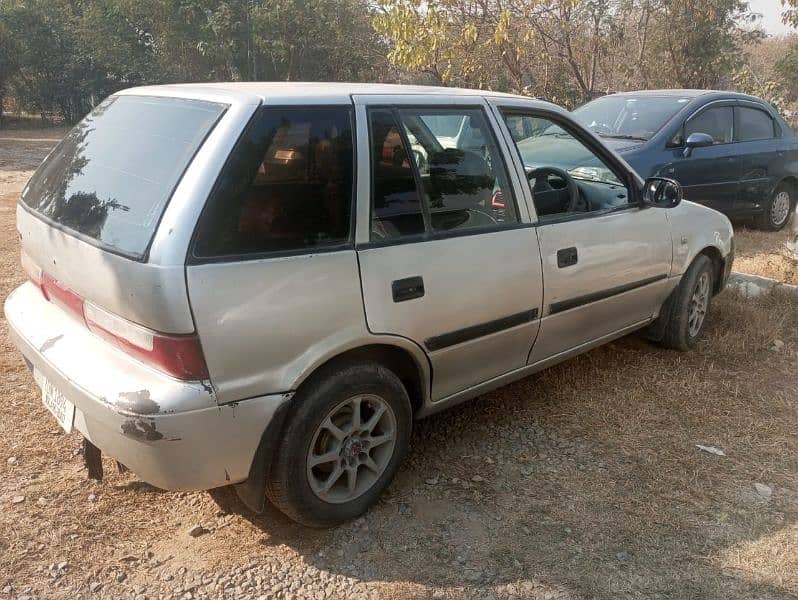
(512, 490)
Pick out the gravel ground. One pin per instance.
(581, 482)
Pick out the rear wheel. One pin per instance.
(690, 305)
(342, 445)
(778, 209)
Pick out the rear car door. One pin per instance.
(606, 261)
(273, 254)
(762, 154)
(708, 175)
(448, 257)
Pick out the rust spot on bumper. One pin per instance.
(142, 429)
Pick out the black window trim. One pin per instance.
(760, 108)
(191, 257)
(582, 134)
(429, 234)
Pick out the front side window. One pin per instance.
(287, 187)
(717, 122)
(436, 170)
(753, 124)
(567, 177)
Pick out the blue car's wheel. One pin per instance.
(779, 208)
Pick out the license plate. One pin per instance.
(55, 401)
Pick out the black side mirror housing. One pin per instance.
(697, 140)
(661, 192)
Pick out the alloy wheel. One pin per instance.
(351, 448)
(699, 301)
(780, 211)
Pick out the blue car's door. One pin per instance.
(709, 175)
(762, 155)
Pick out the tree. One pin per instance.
(8, 63)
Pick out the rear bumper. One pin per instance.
(171, 433)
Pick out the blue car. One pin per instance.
(731, 152)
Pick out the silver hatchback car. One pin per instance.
(263, 284)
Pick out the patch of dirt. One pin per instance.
(581, 482)
(762, 253)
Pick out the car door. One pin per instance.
(606, 262)
(762, 154)
(709, 175)
(448, 257)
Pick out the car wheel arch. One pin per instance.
(413, 374)
(792, 181)
(405, 364)
(718, 265)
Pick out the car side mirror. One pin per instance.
(662, 192)
(697, 140)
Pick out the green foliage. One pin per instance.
(64, 56)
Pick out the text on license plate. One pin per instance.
(55, 401)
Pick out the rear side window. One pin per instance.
(111, 177)
(396, 206)
(287, 187)
(753, 124)
(717, 122)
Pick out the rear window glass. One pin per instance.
(110, 178)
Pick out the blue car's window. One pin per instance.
(629, 117)
(753, 124)
(716, 121)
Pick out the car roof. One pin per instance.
(692, 94)
(280, 92)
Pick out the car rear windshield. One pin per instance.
(629, 117)
(111, 177)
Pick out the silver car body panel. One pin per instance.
(170, 433)
(267, 324)
(621, 277)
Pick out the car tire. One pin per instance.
(691, 302)
(330, 423)
(779, 208)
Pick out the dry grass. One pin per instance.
(761, 253)
(589, 459)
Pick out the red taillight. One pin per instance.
(61, 295)
(177, 355)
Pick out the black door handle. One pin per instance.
(407, 289)
(567, 257)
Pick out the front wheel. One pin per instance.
(778, 208)
(341, 446)
(690, 305)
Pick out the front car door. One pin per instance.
(447, 251)
(709, 175)
(606, 260)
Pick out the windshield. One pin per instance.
(629, 117)
(542, 143)
(111, 176)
